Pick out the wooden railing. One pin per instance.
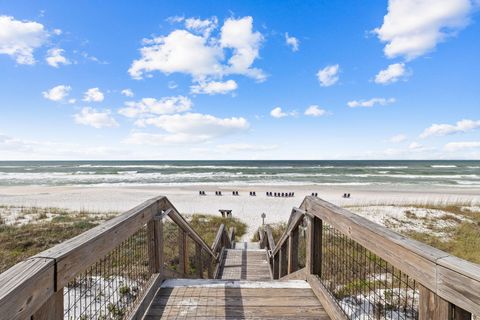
(354, 264)
(118, 265)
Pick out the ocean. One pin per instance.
(178, 173)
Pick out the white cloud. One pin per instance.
(57, 93)
(415, 146)
(370, 103)
(127, 93)
(93, 95)
(392, 74)
(55, 57)
(189, 128)
(203, 56)
(456, 146)
(278, 113)
(412, 28)
(315, 111)
(398, 138)
(245, 147)
(292, 42)
(204, 27)
(152, 106)
(94, 118)
(328, 76)
(214, 87)
(446, 129)
(19, 39)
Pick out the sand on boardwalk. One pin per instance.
(247, 208)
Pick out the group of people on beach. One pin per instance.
(254, 193)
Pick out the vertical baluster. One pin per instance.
(293, 251)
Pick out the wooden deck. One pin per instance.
(244, 290)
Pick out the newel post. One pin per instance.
(155, 236)
(293, 251)
(433, 307)
(314, 245)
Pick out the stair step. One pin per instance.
(242, 284)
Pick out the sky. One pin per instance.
(106, 80)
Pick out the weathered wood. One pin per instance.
(231, 235)
(432, 307)
(52, 309)
(182, 252)
(453, 279)
(330, 305)
(460, 314)
(198, 260)
(75, 255)
(261, 237)
(244, 265)
(293, 251)
(150, 291)
(25, 287)
(271, 241)
(283, 262)
(217, 243)
(276, 266)
(297, 275)
(314, 245)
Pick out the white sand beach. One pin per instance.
(247, 208)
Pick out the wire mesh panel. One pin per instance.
(171, 255)
(364, 285)
(111, 288)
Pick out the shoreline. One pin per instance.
(247, 208)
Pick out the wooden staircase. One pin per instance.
(244, 289)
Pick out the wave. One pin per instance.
(443, 166)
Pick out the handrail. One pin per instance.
(218, 238)
(295, 219)
(451, 278)
(33, 285)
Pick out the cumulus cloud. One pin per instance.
(398, 138)
(204, 27)
(278, 113)
(152, 106)
(412, 28)
(315, 111)
(57, 93)
(127, 93)
(392, 74)
(94, 118)
(93, 95)
(201, 55)
(188, 128)
(55, 57)
(370, 103)
(19, 39)
(214, 87)
(292, 42)
(461, 145)
(328, 76)
(447, 129)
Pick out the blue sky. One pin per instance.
(240, 80)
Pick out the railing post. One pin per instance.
(283, 263)
(155, 236)
(293, 251)
(314, 245)
(182, 251)
(276, 265)
(198, 260)
(52, 309)
(432, 307)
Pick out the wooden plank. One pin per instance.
(297, 275)
(276, 266)
(52, 309)
(271, 241)
(25, 287)
(293, 251)
(313, 259)
(217, 243)
(283, 262)
(235, 292)
(75, 255)
(331, 306)
(431, 306)
(459, 289)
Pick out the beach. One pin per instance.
(245, 207)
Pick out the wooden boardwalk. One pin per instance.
(244, 290)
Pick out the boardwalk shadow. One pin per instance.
(233, 296)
